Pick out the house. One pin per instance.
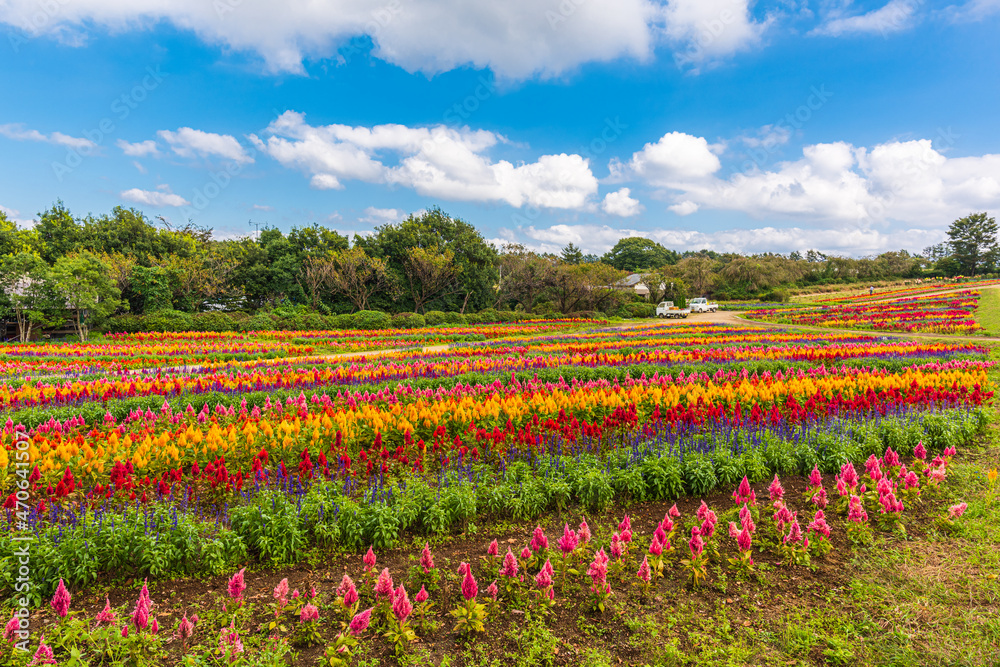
(633, 283)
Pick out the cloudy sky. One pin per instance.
(850, 127)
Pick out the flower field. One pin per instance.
(912, 291)
(946, 314)
(147, 458)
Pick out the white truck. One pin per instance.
(702, 305)
(668, 309)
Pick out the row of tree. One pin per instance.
(430, 261)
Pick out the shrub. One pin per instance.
(213, 321)
(371, 319)
(260, 322)
(344, 321)
(510, 316)
(434, 318)
(123, 324)
(239, 320)
(314, 322)
(455, 318)
(641, 309)
(167, 320)
(408, 321)
(487, 316)
(776, 296)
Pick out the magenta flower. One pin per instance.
(919, 451)
(849, 475)
(949, 451)
(360, 622)
(426, 559)
(281, 592)
(742, 493)
(140, 615)
(626, 524)
(470, 589)
(186, 628)
(60, 601)
(743, 540)
(384, 586)
(775, 490)
(702, 511)
(237, 586)
(509, 566)
(544, 577)
(673, 511)
(584, 532)
(819, 526)
(229, 640)
(655, 547)
(538, 540)
(794, 535)
(369, 560)
(492, 590)
(696, 544)
(493, 549)
(855, 512)
(819, 498)
(660, 534)
(644, 572)
(155, 627)
(816, 477)
(10, 630)
(956, 511)
(568, 542)
(44, 655)
(911, 481)
(667, 524)
(345, 583)
(626, 536)
(734, 531)
(463, 568)
(891, 458)
(708, 527)
(616, 546)
(421, 595)
(401, 606)
(525, 553)
(309, 613)
(598, 572)
(746, 519)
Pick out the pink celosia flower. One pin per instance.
(525, 553)
(463, 568)
(345, 583)
(911, 481)
(855, 512)
(237, 585)
(538, 540)
(401, 606)
(794, 535)
(154, 627)
(626, 523)
(9, 630)
(937, 475)
(743, 540)
(360, 622)
(309, 613)
(782, 517)
(493, 549)
(708, 526)
(584, 532)
(702, 511)
(849, 475)
(369, 560)
(470, 589)
(743, 492)
(955, 511)
(775, 490)
(626, 536)
(655, 547)
(281, 592)
(60, 601)
(919, 451)
(568, 542)
(350, 595)
(644, 572)
(659, 534)
(384, 586)
(421, 595)
(746, 519)
(44, 655)
(734, 531)
(295, 594)
(816, 477)
(616, 546)
(667, 524)
(874, 467)
(140, 615)
(124, 631)
(819, 499)
(186, 628)
(891, 458)
(492, 590)
(819, 526)
(673, 511)
(426, 559)
(509, 566)
(696, 544)
(229, 640)
(950, 451)
(598, 573)
(543, 579)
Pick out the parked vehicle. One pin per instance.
(668, 309)
(702, 305)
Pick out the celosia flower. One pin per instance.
(309, 613)
(421, 595)
(538, 540)
(584, 532)
(819, 525)
(470, 589)
(60, 601)
(492, 590)
(281, 592)
(673, 511)
(525, 553)
(543, 579)
(401, 606)
(855, 512)
(509, 566)
(644, 572)
(626, 536)
(919, 451)
(9, 630)
(44, 655)
(667, 524)
(568, 542)
(598, 572)
(659, 534)
(124, 631)
(891, 458)
(955, 511)
(746, 519)
(229, 640)
(742, 493)
(493, 549)
(702, 511)
(616, 546)
(384, 586)
(626, 523)
(775, 490)
(360, 622)
(237, 585)
(369, 560)
(186, 628)
(794, 535)
(154, 627)
(734, 531)
(696, 544)
(140, 615)
(819, 499)
(849, 475)
(345, 583)
(427, 560)
(911, 481)
(816, 477)
(708, 526)
(655, 547)
(463, 568)
(743, 540)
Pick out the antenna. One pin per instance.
(256, 226)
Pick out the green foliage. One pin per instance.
(434, 318)
(213, 321)
(167, 320)
(408, 321)
(370, 320)
(699, 474)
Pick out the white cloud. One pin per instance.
(138, 149)
(138, 166)
(768, 137)
(705, 30)
(18, 132)
(683, 208)
(434, 161)
(15, 216)
(515, 38)
(895, 16)
(676, 158)
(156, 198)
(190, 143)
(621, 204)
(381, 216)
(974, 10)
(262, 207)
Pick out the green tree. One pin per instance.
(430, 273)
(524, 276)
(88, 293)
(27, 293)
(12, 239)
(637, 254)
(150, 289)
(572, 255)
(358, 276)
(58, 232)
(973, 241)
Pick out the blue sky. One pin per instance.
(850, 127)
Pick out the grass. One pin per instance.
(988, 312)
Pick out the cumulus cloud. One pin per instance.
(705, 30)
(139, 149)
(381, 216)
(620, 203)
(189, 143)
(18, 132)
(158, 198)
(436, 161)
(895, 16)
(675, 159)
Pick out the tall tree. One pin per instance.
(429, 274)
(571, 254)
(524, 275)
(973, 241)
(637, 254)
(89, 294)
(26, 292)
(358, 276)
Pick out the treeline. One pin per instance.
(89, 271)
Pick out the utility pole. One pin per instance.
(256, 226)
